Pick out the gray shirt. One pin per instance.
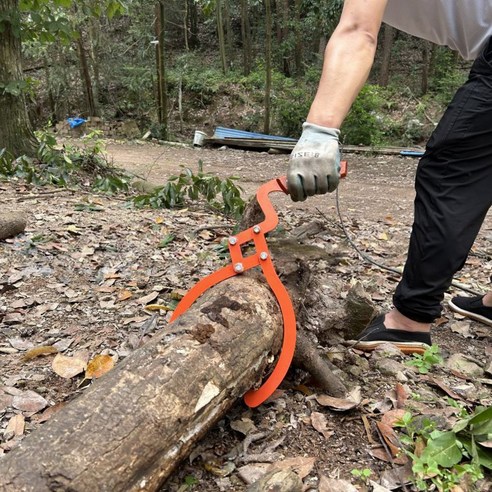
(462, 25)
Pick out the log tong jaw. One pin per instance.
(240, 264)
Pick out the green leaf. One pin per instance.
(479, 453)
(443, 449)
(481, 422)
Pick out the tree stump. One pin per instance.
(11, 224)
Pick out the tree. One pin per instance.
(47, 21)
(268, 64)
(388, 38)
(16, 133)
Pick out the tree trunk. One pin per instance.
(388, 38)
(185, 26)
(193, 16)
(424, 82)
(221, 35)
(132, 427)
(85, 74)
(268, 64)
(161, 69)
(246, 37)
(16, 133)
(285, 36)
(298, 44)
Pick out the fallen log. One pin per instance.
(11, 224)
(132, 427)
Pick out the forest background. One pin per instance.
(175, 66)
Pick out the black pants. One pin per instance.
(454, 193)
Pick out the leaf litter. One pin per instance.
(84, 283)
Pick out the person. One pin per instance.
(454, 177)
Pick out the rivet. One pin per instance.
(263, 256)
(238, 268)
(232, 240)
(256, 229)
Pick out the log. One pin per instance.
(11, 224)
(131, 428)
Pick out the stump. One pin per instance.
(11, 224)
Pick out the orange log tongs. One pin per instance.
(240, 264)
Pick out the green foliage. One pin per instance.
(69, 166)
(451, 457)
(190, 186)
(364, 124)
(363, 474)
(447, 76)
(424, 362)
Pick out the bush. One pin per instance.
(365, 124)
(69, 166)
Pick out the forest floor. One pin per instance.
(80, 276)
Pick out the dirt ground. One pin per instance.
(80, 276)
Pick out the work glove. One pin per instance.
(314, 167)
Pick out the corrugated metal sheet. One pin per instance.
(222, 133)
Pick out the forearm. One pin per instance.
(348, 60)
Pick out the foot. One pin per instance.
(407, 338)
(477, 308)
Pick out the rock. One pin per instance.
(387, 351)
(460, 363)
(359, 310)
(467, 390)
(129, 129)
(488, 367)
(11, 224)
(278, 481)
(389, 367)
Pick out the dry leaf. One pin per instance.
(320, 423)
(98, 366)
(148, 298)
(392, 416)
(124, 295)
(334, 485)
(29, 401)
(16, 425)
(341, 404)
(381, 454)
(21, 343)
(301, 465)
(401, 396)
(49, 412)
(157, 307)
(67, 367)
(39, 351)
(390, 438)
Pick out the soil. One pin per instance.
(80, 276)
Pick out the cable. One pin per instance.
(367, 258)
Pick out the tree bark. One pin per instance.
(268, 64)
(16, 133)
(246, 37)
(424, 82)
(388, 38)
(11, 224)
(86, 77)
(221, 35)
(161, 69)
(132, 427)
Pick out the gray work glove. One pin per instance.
(314, 167)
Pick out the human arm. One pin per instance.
(314, 163)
